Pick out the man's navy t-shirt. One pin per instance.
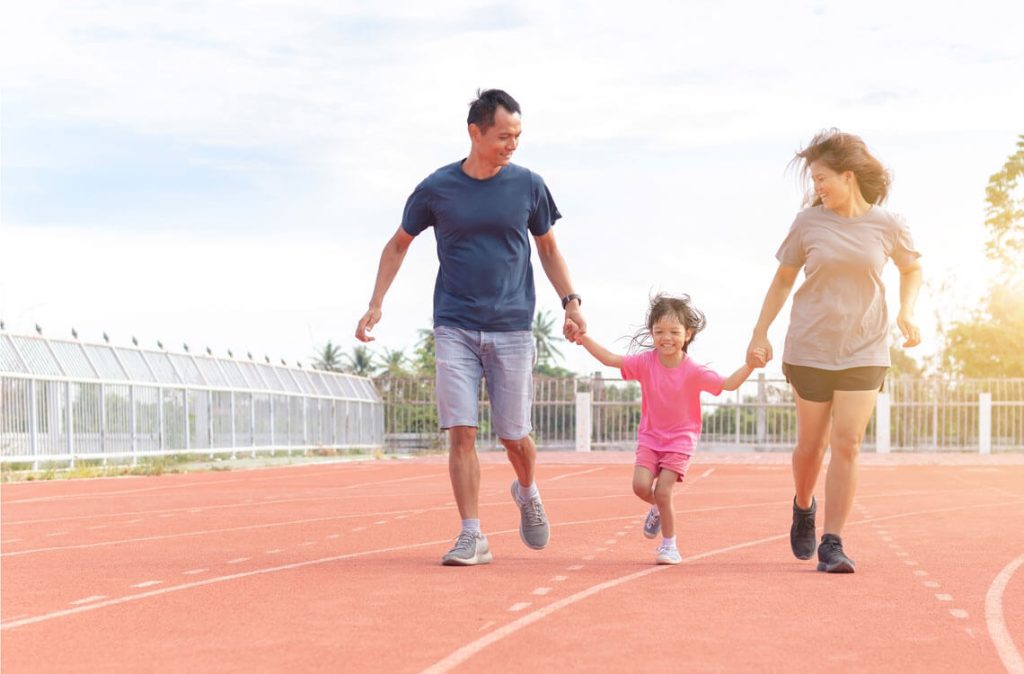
(482, 227)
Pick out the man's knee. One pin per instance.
(462, 439)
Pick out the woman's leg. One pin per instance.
(814, 420)
(851, 411)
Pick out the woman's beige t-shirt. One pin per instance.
(839, 318)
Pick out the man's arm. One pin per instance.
(390, 262)
(558, 273)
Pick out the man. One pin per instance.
(482, 209)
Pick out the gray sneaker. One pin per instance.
(470, 548)
(533, 523)
(652, 523)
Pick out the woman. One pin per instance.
(836, 353)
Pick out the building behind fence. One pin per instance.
(63, 400)
(912, 414)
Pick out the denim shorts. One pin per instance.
(504, 360)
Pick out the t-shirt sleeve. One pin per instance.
(544, 212)
(791, 253)
(901, 244)
(418, 215)
(709, 380)
(632, 367)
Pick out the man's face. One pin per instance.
(496, 145)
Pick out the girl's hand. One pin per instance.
(911, 333)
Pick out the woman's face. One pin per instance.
(834, 189)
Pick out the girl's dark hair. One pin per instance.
(663, 305)
(481, 111)
(844, 152)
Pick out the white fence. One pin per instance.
(61, 401)
(913, 414)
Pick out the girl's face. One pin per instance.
(670, 336)
(834, 189)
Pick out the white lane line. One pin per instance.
(134, 521)
(359, 529)
(148, 583)
(997, 629)
(274, 551)
(931, 584)
(381, 522)
(920, 572)
(620, 533)
(575, 567)
(611, 541)
(87, 600)
(11, 540)
(238, 561)
(909, 562)
(541, 591)
(307, 544)
(194, 572)
(519, 606)
(706, 473)
(486, 625)
(565, 475)
(958, 613)
(588, 557)
(559, 579)
(944, 597)
(467, 651)
(59, 533)
(334, 536)
(211, 581)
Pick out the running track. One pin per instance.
(335, 568)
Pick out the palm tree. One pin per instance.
(328, 358)
(543, 339)
(394, 362)
(360, 361)
(424, 361)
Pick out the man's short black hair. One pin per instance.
(481, 111)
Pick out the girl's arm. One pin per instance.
(606, 357)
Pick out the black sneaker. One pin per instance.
(831, 558)
(801, 535)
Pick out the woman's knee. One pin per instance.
(847, 444)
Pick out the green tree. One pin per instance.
(360, 361)
(985, 343)
(424, 358)
(329, 358)
(394, 361)
(544, 340)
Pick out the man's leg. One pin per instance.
(464, 470)
(522, 454)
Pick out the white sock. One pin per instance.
(472, 525)
(668, 542)
(526, 493)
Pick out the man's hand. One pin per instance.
(366, 323)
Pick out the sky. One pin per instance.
(225, 174)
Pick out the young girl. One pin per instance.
(671, 384)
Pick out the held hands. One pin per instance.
(757, 357)
(366, 323)
(759, 352)
(575, 325)
(909, 329)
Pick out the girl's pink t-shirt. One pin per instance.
(670, 418)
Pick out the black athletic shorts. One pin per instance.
(817, 385)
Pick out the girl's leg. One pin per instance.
(663, 498)
(851, 411)
(643, 479)
(814, 421)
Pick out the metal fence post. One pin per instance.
(33, 423)
(984, 423)
(69, 423)
(883, 423)
(584, 421)
(762, 410)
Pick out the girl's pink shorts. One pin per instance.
(654, 461)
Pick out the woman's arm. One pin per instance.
(774, 299)
(910, 284)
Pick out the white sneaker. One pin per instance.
(470, 548)
(668, 555)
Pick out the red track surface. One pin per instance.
(329, 568)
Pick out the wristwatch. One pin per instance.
(569, 298)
